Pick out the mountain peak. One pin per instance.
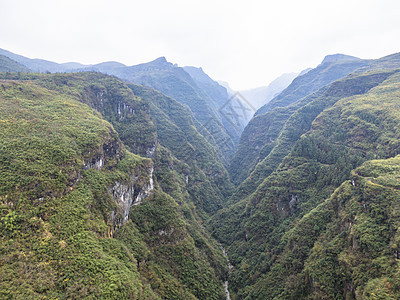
(338, 57)
(160, 60)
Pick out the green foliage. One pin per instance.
(54, 234)
(174, 82)
(286, 240)
(59, 161)
(208, 182)
(276, 132)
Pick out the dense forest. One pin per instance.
(134, 182)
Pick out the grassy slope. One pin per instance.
(55, 238)
(354, 130)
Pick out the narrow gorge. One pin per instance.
(138, 182)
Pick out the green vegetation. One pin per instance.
(272, 232)
(54, 220)
(207, 180)
(63, 233)
(285, 127)
(111, 190)
(174, 82)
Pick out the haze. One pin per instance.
(245, 43)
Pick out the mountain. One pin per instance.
(332, 68)
(262, 132)
(9, 65)
(262, 95)
(207, 180)
(217, 93)
(228, 88)
(333, 58)
(81, 215)
(40, 65)
(170, 80)
(313, 220)
(173, 81)
(112, 189)
(234, 112)
(176, 83)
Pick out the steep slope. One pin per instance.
(145, 119)
(9, 65)
(67, 197)
(56, 219)
(263, 243)
(332, 68)
(271, 136)
(217, 93)
(257, 141)
(356, 252)
(229, 107)
(179, 85)
(207, 180)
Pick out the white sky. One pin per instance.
(247, 43)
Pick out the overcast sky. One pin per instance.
(246, 43)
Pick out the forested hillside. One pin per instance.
(174, 82)
(207, 100)
(83, 217)
(286, 229)
(113, 189)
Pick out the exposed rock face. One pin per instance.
(96, 163)
(111, 149)
(146, 189)
(125, 193)
(132, 193)
(150, 151)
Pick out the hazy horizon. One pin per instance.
(247, 44)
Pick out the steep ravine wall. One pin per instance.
(132, 193)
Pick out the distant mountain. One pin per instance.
(214, 90)
(226, 85)
(226, 104)
(9, 65)
(262, 95)
(41, 65)
(332, 58)
(332, 68)
(69, 66)
(171, 80)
